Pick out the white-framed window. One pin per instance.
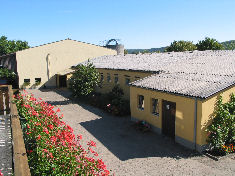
(155, 106)
(116, 78)
(141, 102)
(108, 77)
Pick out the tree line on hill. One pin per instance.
(11, 46)
(181, 45)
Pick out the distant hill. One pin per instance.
(151, 50)
(228, 45)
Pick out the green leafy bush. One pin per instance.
(221, 132)
(209, 44)
(84, 80)
(116, 92)
(179, 46)
(112, 102)
(7, 74)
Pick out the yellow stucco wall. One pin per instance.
(31, 63)
(122, 75)
(207, 111)
(184, 122)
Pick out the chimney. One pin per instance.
(120, 49)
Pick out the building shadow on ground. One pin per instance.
(120, 137)
(63, 92)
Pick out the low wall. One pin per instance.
(20, 160)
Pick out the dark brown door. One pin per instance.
(168, 118)
(62, 81)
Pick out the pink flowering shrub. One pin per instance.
(51, 145)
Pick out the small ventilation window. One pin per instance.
(37, 80)
(27, 80)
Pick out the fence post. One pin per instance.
(7, 103)
(1, 103)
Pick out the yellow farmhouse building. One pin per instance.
(38, 66)
(174, 92)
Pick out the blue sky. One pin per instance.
(138, 23)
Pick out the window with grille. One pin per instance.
(127, 80)
(155, 106)
(141, 102)
(108, 77)
(116, 78)
(101, 77)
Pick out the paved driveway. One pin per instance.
(130, 152)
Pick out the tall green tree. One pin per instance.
(181, 45)
(11, 46)
(84, 80)
(229, 45)
(209, 44)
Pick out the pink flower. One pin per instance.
(50, 154)
(69, 128)
(30, 151)
(92, 144)
(79, 137)
(46, 130)
(45, 150)
(1, 174)
(51, 126)
(53, 139)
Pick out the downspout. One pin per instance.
(195, 125)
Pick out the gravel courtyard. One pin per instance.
(130, 152)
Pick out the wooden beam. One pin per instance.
(21, 167)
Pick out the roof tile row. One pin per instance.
(198, 73)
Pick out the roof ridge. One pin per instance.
(57, 42)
